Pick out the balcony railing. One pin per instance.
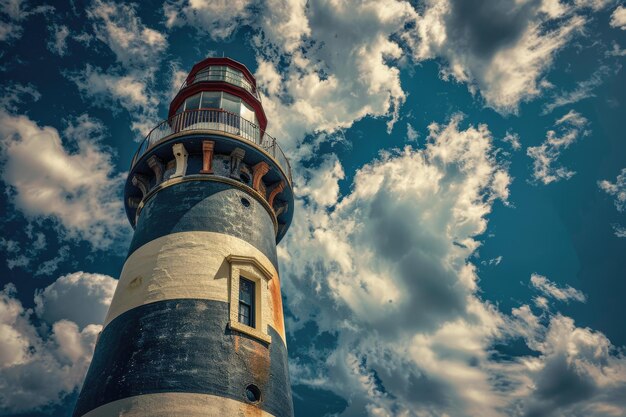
(219, 120)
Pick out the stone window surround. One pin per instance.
(250, 269)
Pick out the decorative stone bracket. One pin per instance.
(141, 182)
(236, 156)
(181, 155)
(258, 171)
(274, 191)
(207, 157)
(157, 167)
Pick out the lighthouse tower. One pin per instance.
(196, 325)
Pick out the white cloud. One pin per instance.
(502, 49)
(13, 13)
(347, 73)
(577, 373)
(80, 297)
(550, 289)
(570, 128)
(15, 94)
(616, 50)
(512, 138)
(618, 18)
(594, 5)
(616, 189)
(220, 19)
(493, 261)
(620, 231)
(387, 264)
(135, 45)
(39, 366)
(411, 133)
(58, 44)
(388, 267)
(78, 189)
(110, 90)
(583, 90)
(51, 265)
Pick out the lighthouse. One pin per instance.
(196, 325)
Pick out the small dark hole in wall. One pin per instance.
(253, 393)
(244, 177)
(245, 202)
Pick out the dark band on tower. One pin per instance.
(196, 324)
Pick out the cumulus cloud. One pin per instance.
(58, 43)
(134, 44)
(618, 18)
(387, 264)
(74, 185)
(111, 91)
(15, 94)
(13, 13)
(39, 365)
(578, 372)
(500, 49)
(550, 289)
(218, 18)
(617, 189)
(570, 127)
(512, 139)
(411, 133)
(80, 297)
(138, 50)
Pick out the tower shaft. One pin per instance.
(196, 324)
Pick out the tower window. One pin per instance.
(246, 302)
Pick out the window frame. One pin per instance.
(249, 268)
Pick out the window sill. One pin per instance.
(250, 331)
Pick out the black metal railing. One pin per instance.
(219, 120)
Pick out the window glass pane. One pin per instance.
(216, 73)
(244, 314)
(231, 103)
(247, 113)
(210, 100)
(193, 102)
(245, 291)
(246, 302)
(202, 75)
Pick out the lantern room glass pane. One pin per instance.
(248, 113)
(193, 102)
(231, 103)
(211, 100)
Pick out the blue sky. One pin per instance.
(460, 171)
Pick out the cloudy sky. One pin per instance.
(459, 242)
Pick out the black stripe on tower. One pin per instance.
(184, 345)
(206, 206)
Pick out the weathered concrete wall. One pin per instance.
(185, 346)
(210, 207)
(167, 348)
(177, 404)
(190, 265)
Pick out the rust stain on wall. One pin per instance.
(277, 303)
